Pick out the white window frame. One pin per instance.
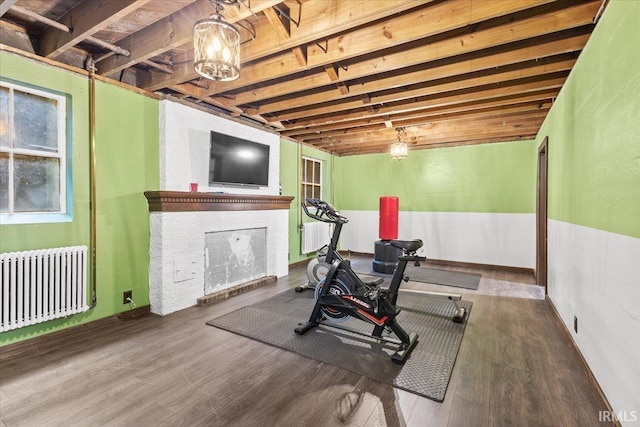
(12, 217)
(303, 182)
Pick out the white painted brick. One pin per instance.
(184, 156)
(184, 149)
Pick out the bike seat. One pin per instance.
(407, 245)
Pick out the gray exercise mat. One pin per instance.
(426, 372)
(436, 276)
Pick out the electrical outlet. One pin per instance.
(575, 323)
(126, 296)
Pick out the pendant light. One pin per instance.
(216, 44)
(399, 149)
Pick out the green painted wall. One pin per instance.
(495, 178)
(594, 130)
(128, 158)
(290, 155)
(37, 236)
(127, 164)
(594, 202)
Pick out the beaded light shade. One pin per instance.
(216, 44)
(399, 149)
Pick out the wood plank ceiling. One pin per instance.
(341, 75)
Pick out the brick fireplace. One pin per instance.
(180, 223)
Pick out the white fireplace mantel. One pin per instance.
(179, 221)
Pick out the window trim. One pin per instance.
(304, 183)
(62, 154)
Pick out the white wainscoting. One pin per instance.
(482, 238)
(595, 275)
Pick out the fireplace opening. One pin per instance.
(232, 257)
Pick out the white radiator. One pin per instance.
(42, 285)
(315, 235)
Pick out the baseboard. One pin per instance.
(592, 377)
(135, 313)
(446, 263)
(35, 344)
(301, 262)
(460, 264)
(235, 290)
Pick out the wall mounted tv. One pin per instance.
(236, 161)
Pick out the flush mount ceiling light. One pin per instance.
(216, 44)
(399, 149)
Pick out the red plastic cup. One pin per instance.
(194, 186)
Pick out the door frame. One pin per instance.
(541, 214)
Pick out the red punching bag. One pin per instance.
(389, 206)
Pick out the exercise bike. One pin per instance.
(317, 270)
(344, 294)
(319, 266)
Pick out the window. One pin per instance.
(311, 178)
(32, 151)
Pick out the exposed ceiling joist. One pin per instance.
(339, 75)
(85, 20)
(319, 19)
(5, 5)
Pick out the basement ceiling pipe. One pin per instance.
(91, 67)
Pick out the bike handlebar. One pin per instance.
(324, 212)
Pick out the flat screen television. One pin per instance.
(236, 161)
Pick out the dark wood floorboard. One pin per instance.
(515, 367)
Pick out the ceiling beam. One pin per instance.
(528, 133)
(439, 50)
(444, 100)
(279, 26)
(431, 98)
(362, 41)
(437, 129)
(308, 126)
(84, 20)
(493, 112)
(453, 142)
(300, 54)
(193, 91)
(342, 76)
(486, 130)
(5, 5)
(322, 104)
(168, 33)
(484, 37)
(475, 61)
(319, 20)
(190, 90)
(436, 18)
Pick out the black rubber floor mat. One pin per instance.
(426, 372)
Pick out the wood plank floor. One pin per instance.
(515, 367)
